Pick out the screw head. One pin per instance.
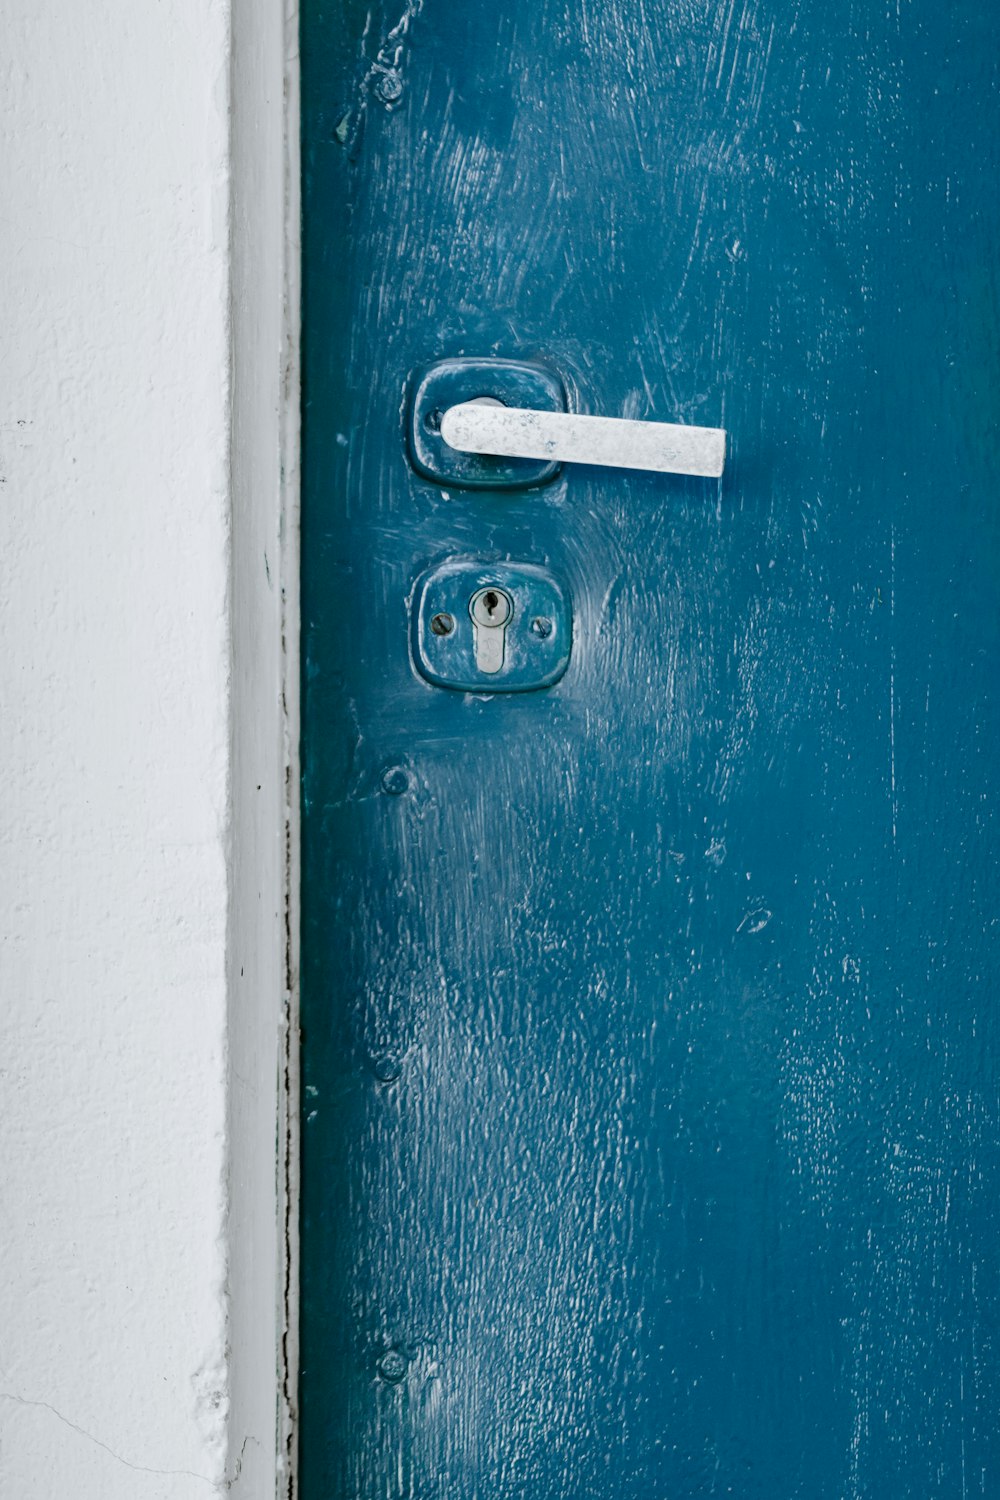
(542, 627)
(389, 87)
(395, 781)
(443, 624)
(392, 1366)
(386, 1066)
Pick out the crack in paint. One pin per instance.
(82, 1431)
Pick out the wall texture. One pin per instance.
(117, 848)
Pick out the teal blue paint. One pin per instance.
(650, 1050)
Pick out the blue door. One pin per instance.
(650, 1034)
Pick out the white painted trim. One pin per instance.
(291, 512)
(263, 920)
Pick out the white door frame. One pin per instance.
(263, 925)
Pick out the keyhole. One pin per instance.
(492, 607)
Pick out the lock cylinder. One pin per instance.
(492, 610)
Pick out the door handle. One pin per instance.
(488, 427)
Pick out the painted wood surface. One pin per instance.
(650, 1037)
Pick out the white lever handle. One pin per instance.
(567, 437)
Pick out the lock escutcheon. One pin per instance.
(496, 627)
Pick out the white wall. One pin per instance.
(124, 854)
